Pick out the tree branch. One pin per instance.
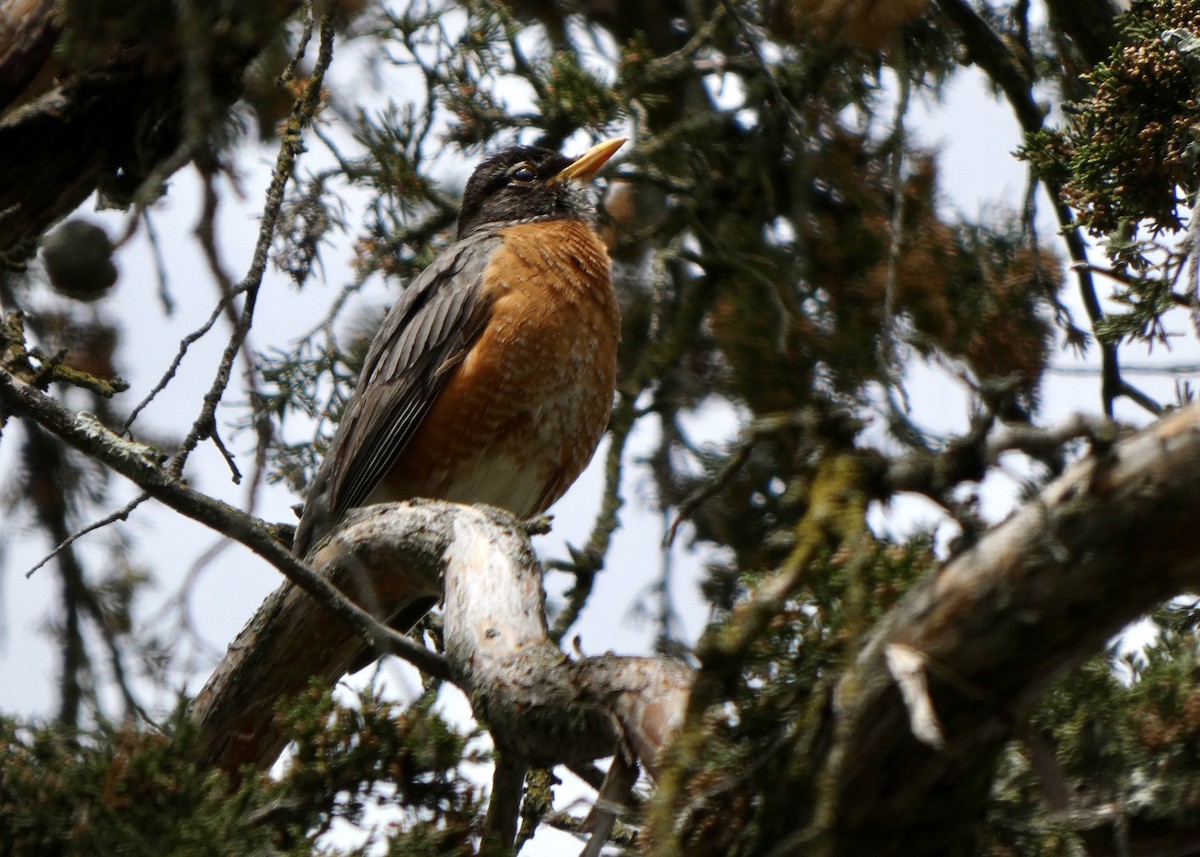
(537, 702)
(994, 57)
(28, 31)
(142, 465)
(293, 639)
(541, 707)
(1091, 25)
(968, 459)
(500, 825)
(1099, 547)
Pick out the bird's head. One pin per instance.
(530, 183)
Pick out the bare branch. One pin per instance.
(980, 640)
(177, 360)
(935, 474)
(613, 798)
(160, 264)
(141, 464)
(500, 825)
(289, 149)
(541, 707)
(735, 459)
(536, 701)
(293, 639)
(994, 56)
(121, 514)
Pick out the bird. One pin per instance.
(491, 379)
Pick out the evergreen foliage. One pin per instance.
(121, 789)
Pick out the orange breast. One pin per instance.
(524, 411)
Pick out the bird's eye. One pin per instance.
(523, 174)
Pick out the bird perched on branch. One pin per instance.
(492, 378)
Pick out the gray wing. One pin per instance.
(427, 333)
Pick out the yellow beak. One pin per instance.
(585, 167)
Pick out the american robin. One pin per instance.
(492, 378)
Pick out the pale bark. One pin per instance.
(294, 639)
(539, 705)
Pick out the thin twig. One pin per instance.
(967, 459)
(116, 660)
(1131, 369)
(992, 54)
(169, 374)
(735, 460)
(160, 264)
(215, 437)
(795, 120)
(289, 73)
(896, 244)
(289, 150)
(1140, 398)
(121, 514)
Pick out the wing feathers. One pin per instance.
(426, 334)
(439, 325)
